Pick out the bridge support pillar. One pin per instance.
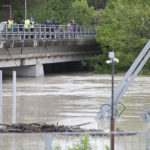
(31, 71)
(27, 71)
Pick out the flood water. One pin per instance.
(74, 98)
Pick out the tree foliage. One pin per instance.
(123, 27)
(53, 10)
(97, 4)
(62, 10)
(82, 13)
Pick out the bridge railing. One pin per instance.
(64, 140)
(19, 32)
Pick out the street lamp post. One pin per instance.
(25, 9)
(112, 120)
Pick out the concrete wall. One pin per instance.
(43, 43)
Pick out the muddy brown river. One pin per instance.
(73, 98)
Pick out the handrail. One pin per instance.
(42, 31)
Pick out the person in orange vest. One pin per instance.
(10, 22)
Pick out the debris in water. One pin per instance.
(43, 127)
(37, 127)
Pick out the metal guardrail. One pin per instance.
(18, 32)
(61, 141)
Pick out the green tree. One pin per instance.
(62, 10)
(18, 10)
(45, 10)
(53, 10)
(124, 27)
(82, 13)
(97, 4)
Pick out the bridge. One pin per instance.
(26, 51)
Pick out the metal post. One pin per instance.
(64, 34)
(10, 10)
(40, 34)
(14, 99)
(0, 35)
(112, 121)
(88, 32)
(80, 32)
(14, 147)
(25, 6)
(1, 98)
(148, 140)
(12, 37)
(49, 32)
(34, 33)
(45, 32)
(24, 33)
(54, 32)
(92, 31)
(48, 139)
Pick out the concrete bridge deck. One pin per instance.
(29, 56)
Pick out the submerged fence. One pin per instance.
(63, 141)
(18, 32)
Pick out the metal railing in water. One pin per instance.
(61, 141)
(18, 32)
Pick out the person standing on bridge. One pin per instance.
(26, 26)
(10, 23)
(69, 29)
(32, 27)
(74, 29)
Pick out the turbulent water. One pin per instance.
(73, 99)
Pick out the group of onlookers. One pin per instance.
(48, 26)
(29, 24)
(73, 27)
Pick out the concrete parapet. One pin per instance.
(41, 43)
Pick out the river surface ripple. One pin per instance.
(73, 98)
